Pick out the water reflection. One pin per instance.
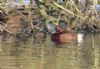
(24, 53)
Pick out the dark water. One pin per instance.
(26, 54)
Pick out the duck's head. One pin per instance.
(59, 29)
(54, 28)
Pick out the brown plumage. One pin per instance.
(63, 37)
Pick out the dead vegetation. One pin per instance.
(30, 18)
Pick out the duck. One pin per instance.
(60, 36)
(67, 37)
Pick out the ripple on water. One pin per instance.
(27, 54)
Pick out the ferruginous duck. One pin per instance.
(63, 37)
(59, 36)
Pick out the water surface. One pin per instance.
(25, 53)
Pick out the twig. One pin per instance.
(63, 8)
